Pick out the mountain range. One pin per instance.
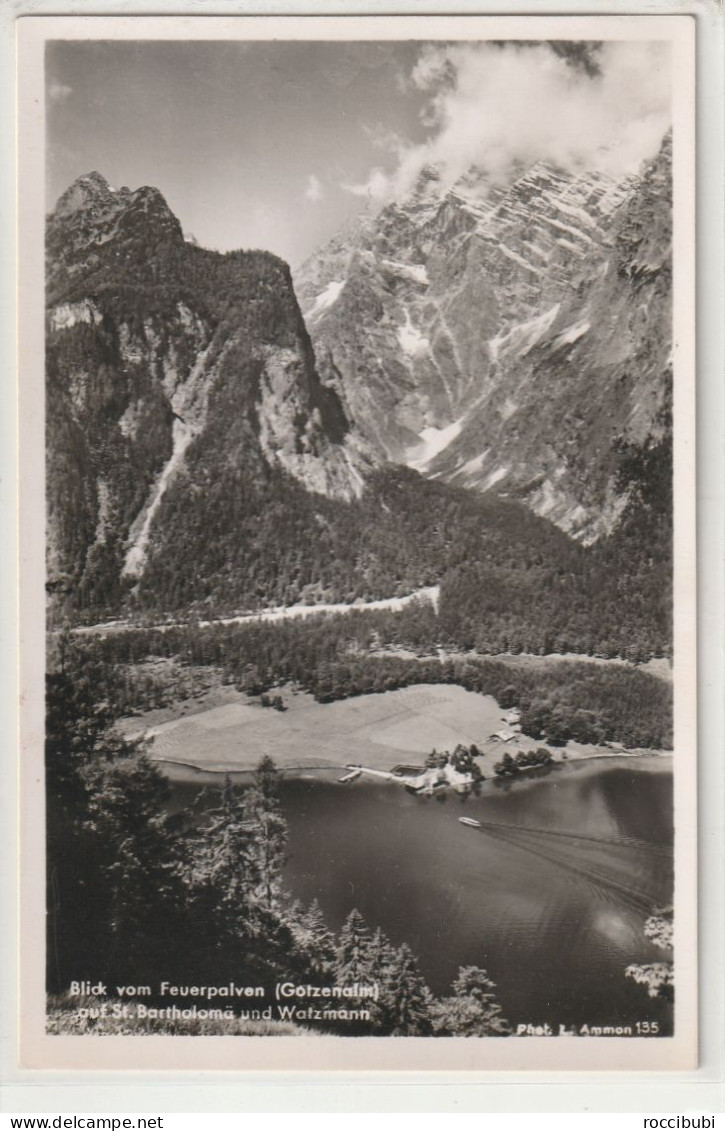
(472, 376)
(511, 337)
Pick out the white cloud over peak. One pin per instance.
(378, 186)
(504, 108)
(314, 190)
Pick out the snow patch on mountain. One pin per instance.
(577, 213)
(573, 334)
(415, 271)
(495, 477)
(412, 342)
(326, 299)
(568, 228)
(546, 499)
(472, 466)
(432, 441)
(518, 259)
(69, 314)
(521, 338)
(128, 422)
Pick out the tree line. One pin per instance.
(342, 655)
(244, 537)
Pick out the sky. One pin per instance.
(275, 145)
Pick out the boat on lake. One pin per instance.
(470, 821)
(353, 775)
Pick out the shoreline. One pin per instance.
(178, 771)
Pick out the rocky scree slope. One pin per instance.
(510, 339)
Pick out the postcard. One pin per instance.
(357, 514)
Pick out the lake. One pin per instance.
(550, 896)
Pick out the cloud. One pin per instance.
(314, 190)
(502, 108)
(378, 186)
(58, 91)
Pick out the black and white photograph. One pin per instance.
(367, 541)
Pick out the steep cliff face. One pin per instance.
(511, 339)
(586, 381)
(154, 347)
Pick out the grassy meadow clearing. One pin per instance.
(231, 731)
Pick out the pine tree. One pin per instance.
(231, 926)
(658, 977)
(138, 858)
(383, 957)
(315, 939)
(473, 1010)
(410, 1000)
(353, 952)
(225, 856)
(264, 817)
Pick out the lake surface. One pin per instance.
(550, 896)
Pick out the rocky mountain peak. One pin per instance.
(90, 192)
(427, 190)
(446, 316)
(91, 218)
(177, 378)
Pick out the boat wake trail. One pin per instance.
(537, 843)
(619, 842)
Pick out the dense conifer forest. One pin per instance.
(357, 653)
(509, 580)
